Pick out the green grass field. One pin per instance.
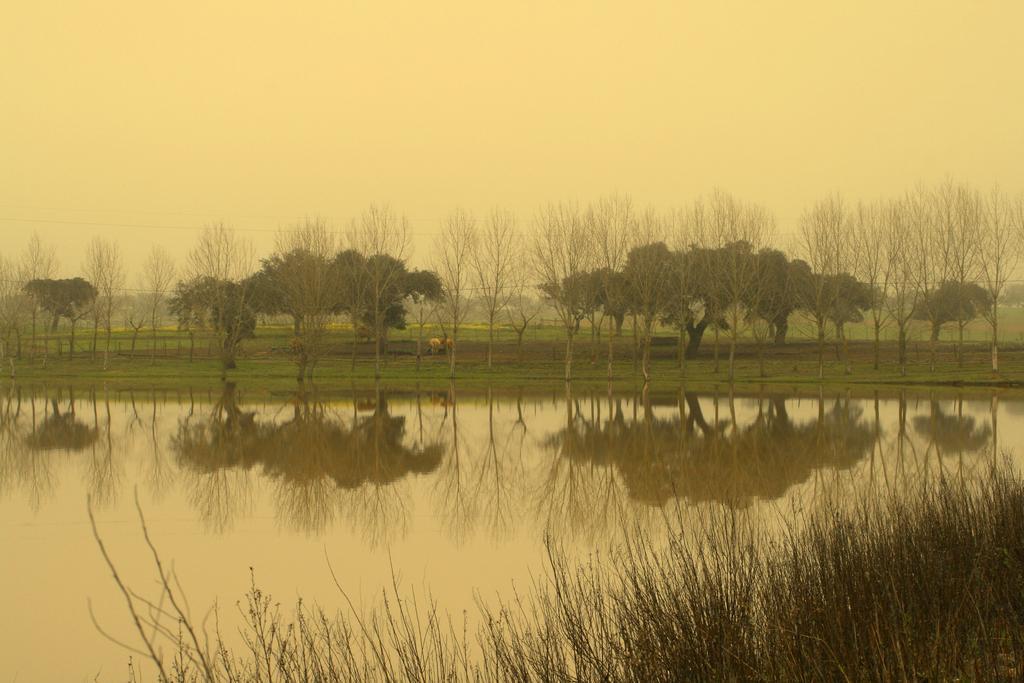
(266, 361)
(263, 368)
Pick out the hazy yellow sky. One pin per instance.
(120, 116)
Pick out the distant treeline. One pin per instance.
(945, 255)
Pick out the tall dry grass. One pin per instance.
(922, 584)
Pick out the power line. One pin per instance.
(151, 226)
(533, 285)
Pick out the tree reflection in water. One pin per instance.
(38, 435)
(311, 458)
(663, 457)
(490, 463)
(481, 480)
(62, 430)
(952, 434)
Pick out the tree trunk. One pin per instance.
(611, 346)
(901, 348)
(646, 360)
(931, 352)
(376, 345)
(995, 341)
(296, 325)
(519, 344)
(716, 349)
(636, 345)
(681, 349)
(878, 343)
(821, 349)
(107, 347)
(419, 347)
(593, 342)
(451, 355)
(152, 351)
(841, 330)
(695, 334)
(135, 336)
(760, 358)
(568, 354)
(781, 329)
(71, 350)
(960, 344)
(490, 342)
(732, 356)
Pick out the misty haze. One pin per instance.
(657, 341)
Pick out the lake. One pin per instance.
(452, 493)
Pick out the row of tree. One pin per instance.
(939, 254)
(942, 254)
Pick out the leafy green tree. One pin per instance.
(778, 299)
(852, 297)
(696, 298)
(268, 298)
(357, 297)
(648, 277)
(425, 292)
(60, 298)
(952, 302)
(70, 298)
(220, 307)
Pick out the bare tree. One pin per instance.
(872, 265)
(999, 252)
(709, 243)
(354, 291)
(648, 275)
(454, 267)
(76, 312)
(522, 310)
(309, 284)
(612, 222)
(962, 216)
(157, 279)
(38, 263)
(424, 307)
(682, 229)
(381, 236)
(14, 304)
(927, 214)
(903, 294)
(105, 269)
(217, 266)
(134, 318)
(561, 254)
(822, 238)
(741, 230)
(493, 261)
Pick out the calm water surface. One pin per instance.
(454, 492)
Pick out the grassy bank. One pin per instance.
(277, 372)
(919, 584)
(266, 362)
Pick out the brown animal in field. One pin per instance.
(439, 344)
